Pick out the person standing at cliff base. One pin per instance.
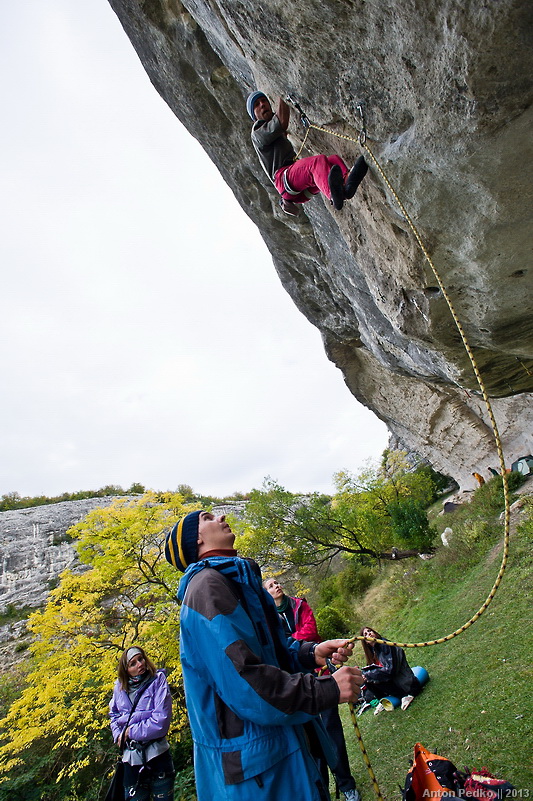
(253, 713)
(298, 621)
(297, 180)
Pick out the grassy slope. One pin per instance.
(477, 708)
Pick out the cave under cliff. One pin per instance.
(446, 89)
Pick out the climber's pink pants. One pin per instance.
(307, 177)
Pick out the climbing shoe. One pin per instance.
(336, 187)
(354, 177)
(289, 207)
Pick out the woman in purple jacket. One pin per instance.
(141, 735)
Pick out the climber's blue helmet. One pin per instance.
(251, 100)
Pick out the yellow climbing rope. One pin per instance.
(363, 142)
(366, 758)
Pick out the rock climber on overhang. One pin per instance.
(297, 181)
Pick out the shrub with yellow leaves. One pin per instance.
(55, 739)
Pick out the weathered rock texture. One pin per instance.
(447, 87)
(35, 549)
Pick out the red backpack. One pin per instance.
(483, 786)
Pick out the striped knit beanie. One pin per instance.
(181, 546)
(251, 100)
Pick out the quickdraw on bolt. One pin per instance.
(362, 131)
(306, 122)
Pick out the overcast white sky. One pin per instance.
(145, 334)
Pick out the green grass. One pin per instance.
(477, 708)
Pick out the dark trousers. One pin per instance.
(383, 688)
(333, 724)
(155, 781)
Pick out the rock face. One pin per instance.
(35, 549)
(446, 87)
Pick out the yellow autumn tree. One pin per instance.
(55, 740)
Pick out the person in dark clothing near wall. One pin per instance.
(298, 180)
(299, 622)
(253, 708)
(387, 672)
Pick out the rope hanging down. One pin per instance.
(362, 140)
(366, 759)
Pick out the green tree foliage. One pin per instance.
(336, 594)
(354, 580)
(372, 513)
(55, 738)
(342, 587)
(12, 500)
(282, 528)
(331, 623)
(410, 524)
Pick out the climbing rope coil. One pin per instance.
(362, 140)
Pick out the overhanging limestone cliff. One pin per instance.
(447, 90)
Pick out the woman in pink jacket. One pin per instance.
(141, 733)
(296, 615)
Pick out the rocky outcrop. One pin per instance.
(35, 549)
(446, 86)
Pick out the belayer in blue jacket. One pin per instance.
(252, 707)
